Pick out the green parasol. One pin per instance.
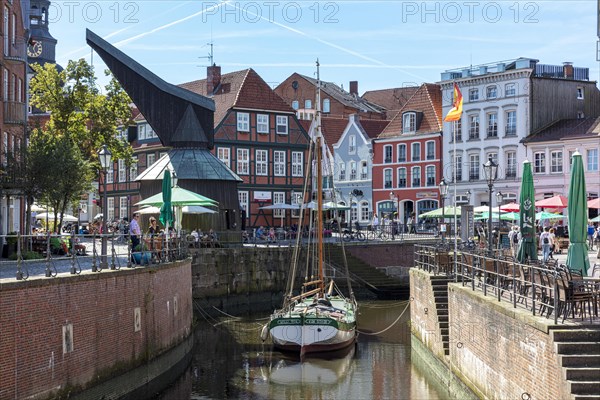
(528, 245)
(179, 197)
(546, 215)
(166, 210)
(577, 258)
(448, 212)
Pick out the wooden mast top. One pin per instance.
(319, 137)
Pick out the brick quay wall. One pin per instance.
(65, 334)
(496, 351)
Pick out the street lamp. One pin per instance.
(105, 157)
(468, 196)
(174, 178)
(396, 200)
(490, 168)
(443, 193)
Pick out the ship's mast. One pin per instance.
(319, 192)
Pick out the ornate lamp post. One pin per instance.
(490, 168)
(105, 157)
(443, 193)
(499, 201)
(468, 195)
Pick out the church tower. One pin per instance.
(42, 46)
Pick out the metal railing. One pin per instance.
(548, 290)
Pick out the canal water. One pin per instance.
(230, 362)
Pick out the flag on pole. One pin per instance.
(456, 111)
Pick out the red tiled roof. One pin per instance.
(391, 99)
(373, 127)
(332, 129)
(243, 89)
(426, 100)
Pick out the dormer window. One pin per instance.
(352, 144)
(326, 106)
(579, 93)
(295, 104)
(491, 92)
(308, 104)
(409, 122)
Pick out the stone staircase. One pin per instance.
(365, 275)
(578, 351)
(439, 285)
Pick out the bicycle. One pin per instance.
(350, 234)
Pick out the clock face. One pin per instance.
(34, 50)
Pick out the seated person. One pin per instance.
(272, 237)
(260, 233)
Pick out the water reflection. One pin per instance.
(231, 362)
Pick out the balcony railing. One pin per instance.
(14, 112)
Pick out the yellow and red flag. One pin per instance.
(456, 111)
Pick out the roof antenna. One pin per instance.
(210, 54)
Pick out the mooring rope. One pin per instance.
(392, 324)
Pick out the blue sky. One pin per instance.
(381, 44)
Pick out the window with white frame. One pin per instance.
(401, 153)
(430, 150)
(351, 143)
(491, 92)
(511, 164)
(430, 175)
(326, 106)
(415, 173)
(142, 131)
(539, 166)
(456, 128)
(243, 122)
(261, 162)
(150, 159)
(416, 152)
(161, 154)
(150, 134)
(387, 153)
(224, 154)
(473, 94)
(352, 170)
(579, 93)
(308, 103)
(111, 209)
(364, 211)
(592, 160)
(457, 170)
(243, 199)
(278, 198)
(401, 177)
(243, 161)
(122, 171)
(387, 178)
(342, 171)
(297, 199)
(473, 127)
(5, 84)
(297, 163)
(492, 125)
(110, 173)
(409, 122)
(133, 169)
(295, 105)
(123, 203)
(474, 167)
(511, 123)
(364, 170)
(353, 212)
(262, 123)
(556, 161)
(282, 124)
(279, 163)
(13, 29)
(510, 90)
(5, 31)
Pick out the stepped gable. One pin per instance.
(183, 119)
(427, 101)
(243, 89)
(565, 129)
(391, 100)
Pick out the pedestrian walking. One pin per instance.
(545, 242)
(134, 231)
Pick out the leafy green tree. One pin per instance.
(82, 119)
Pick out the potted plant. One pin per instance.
(141, 254)
(11, 245)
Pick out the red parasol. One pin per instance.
(594, 203)
(510, 207)
(558, 201)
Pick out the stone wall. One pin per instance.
(64, 334)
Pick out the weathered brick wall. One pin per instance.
(385, 255)
(101, 309)
(502, 352)
(423, 314)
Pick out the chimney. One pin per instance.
(213, 79)
(568, 72)
(354, 87)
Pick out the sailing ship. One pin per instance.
(318, 317)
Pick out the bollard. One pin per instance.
(94, 266)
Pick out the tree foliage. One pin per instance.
(64, 152)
